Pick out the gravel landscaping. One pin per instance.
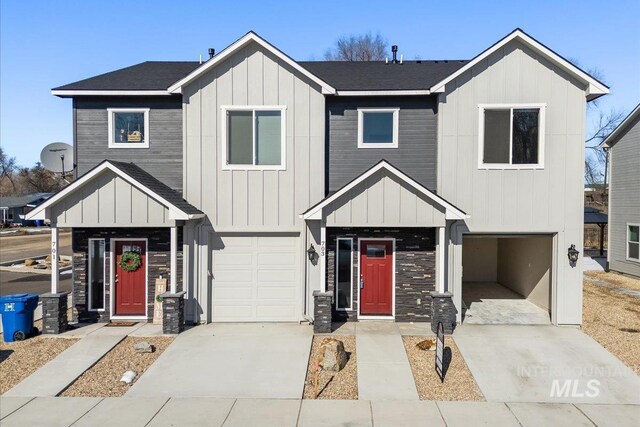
(341, 385)
(613, 319)
(20, 359)
(615, 279)
(103, 379)
(458, 384)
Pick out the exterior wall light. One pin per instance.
(572, 254)
(311, 253)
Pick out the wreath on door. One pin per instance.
(130, 261)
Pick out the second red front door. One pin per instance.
(376, 277)
(131, 286)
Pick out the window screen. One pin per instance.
(268, 138)
(496, 136)
(240, 138)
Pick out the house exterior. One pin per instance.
(14, 208)
(266, 189)
(623, 145)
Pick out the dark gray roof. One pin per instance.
(20, 201)
(594, 216)
(378, 75)
(158, 187)
(150, 75)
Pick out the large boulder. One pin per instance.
(332, 355)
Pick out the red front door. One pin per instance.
(130, 286)
(376, 277)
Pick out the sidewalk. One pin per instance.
(132, 412)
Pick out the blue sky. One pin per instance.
(44, 44)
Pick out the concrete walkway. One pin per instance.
(59, 373)
(138, 412)
(383, 367)
(544, 364)
(249, 360)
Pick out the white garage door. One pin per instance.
(255, 279)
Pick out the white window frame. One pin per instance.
(541, 136)
(350, 276)
(104, 276)
(396, 121)
(630, 224)
(112, 143)
(225, 143)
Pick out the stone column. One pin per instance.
(54, 313)
(172, 312)
(443, 310)
(322, 312)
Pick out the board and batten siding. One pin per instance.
(383, 200)
(163, 158)
(624, 206)
(417, 143)
(254, 200)
(109, 201)
(547, 200)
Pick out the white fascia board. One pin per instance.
(175, 213)
(451, 212)
(60, 92)
(382, 92)
(611, 139)
(239, 44)
(594, 88)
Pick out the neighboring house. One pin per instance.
(14, 208)
(624, 195)
(254, 181)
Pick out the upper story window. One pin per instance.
(511, 136)
(128, 127)
(633, 242)
(254, 137)
(378, 127)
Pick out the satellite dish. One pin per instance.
(57, 157)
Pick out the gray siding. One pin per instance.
(163, 158)
(624, 193)
(416, 152)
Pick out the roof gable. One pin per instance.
(619, 131)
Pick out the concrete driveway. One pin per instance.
(544, 364)
(249, 360)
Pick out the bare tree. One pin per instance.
(366, 47)
(7, 169)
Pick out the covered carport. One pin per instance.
(507, 279)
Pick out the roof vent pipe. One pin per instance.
(212, 52)
(394, 50)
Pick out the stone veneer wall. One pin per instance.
(158, 259)
(414, 275)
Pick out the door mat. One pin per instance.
(121, 324)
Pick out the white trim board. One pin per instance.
(393, 279)
(111, 131)
(71, 92)
(239, 44)
(612, 138)
(394, 131)
(452, 212)
(175, 213)
(594, 89)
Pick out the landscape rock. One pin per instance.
(332, 355)
(143, 347)
(128, 377)
(29, 262)
(427, 345)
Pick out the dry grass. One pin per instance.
(20, 359)
(341, 385)
(103, 379)
(458, 384)
(615, 279)
(613, 319)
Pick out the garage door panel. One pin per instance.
(256, 278)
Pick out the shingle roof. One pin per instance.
(150, 75)
(594, 216)
(378, 75)
(27, 199)
(158, 187)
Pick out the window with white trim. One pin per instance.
(96, 276)
(254, 137)
(378, 127)
(128, 127)
(511, 136)
(633, 242)
(344, 274)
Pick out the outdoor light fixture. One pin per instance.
(573, 253)
(311, 253)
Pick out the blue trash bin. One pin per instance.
(17, 316)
